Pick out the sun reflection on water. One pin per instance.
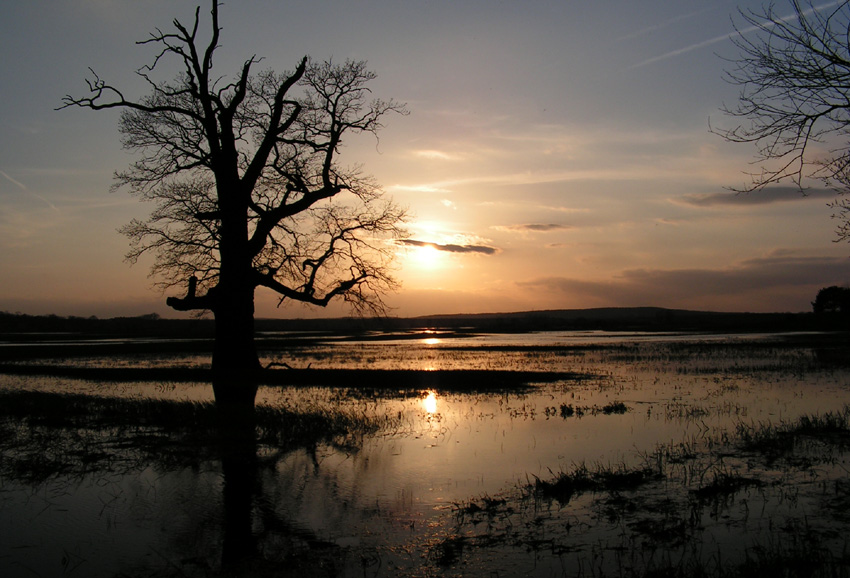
(430, 402)
(431, 341)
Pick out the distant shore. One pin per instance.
(14, 325)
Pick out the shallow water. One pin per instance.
(390, 506)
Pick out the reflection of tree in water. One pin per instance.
(175, 451)
(239, 488)
(260, 496)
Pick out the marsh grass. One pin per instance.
(797, 441)
(44, 434)
(664, 516)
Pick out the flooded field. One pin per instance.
(616, 454)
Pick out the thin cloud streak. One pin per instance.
(452, 248)
(762, 197)
(532, 227)
(435, 154)
(525, 206)
(417, 189)
(643, 173)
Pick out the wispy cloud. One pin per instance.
(532, 228)
(626, 173)
(760, 197)
(451, 248)
(436, 155)
(525, 206)
(435, 188)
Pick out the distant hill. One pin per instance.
(629, 319)
(607, 319)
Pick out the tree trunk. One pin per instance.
(235, 364)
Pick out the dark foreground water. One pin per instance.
(447, 486)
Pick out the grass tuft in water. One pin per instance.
(779, 441)
(568, 410)
(725, 484)
(564, 485)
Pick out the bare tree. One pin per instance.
(794, 74)
(248, 191)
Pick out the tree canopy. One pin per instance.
(832, 299)
(256, 155)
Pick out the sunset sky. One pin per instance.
(557, 154)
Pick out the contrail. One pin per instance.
(665, 24)
(23, 187)
(13, 181)
(717, 39)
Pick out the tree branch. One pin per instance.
(191, 302)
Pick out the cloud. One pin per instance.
(781, 281)
(511, 205)
(760, 197)
(437, 155)
(623, 172)
(451, 248)
(532, 228)
(418, 189)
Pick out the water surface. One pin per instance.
(390, 505)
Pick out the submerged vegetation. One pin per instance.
(48, 434)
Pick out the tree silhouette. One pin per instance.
(794, 74)
(248, 191)
(833, 299)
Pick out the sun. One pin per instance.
(426, 257)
